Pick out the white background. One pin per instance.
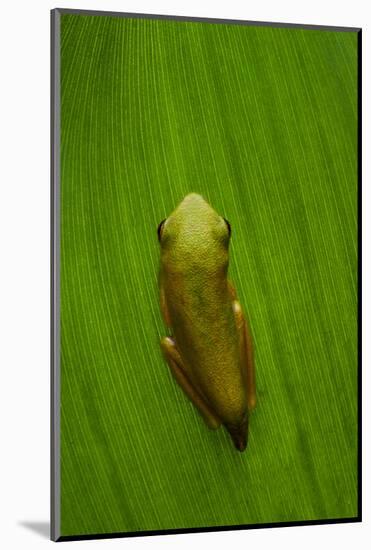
(24, 270)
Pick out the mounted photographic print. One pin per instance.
(205, 274)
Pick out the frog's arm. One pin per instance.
(178, 369)
(246, 346)
(163, 306)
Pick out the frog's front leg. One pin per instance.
(163, 305)
(246, 347)
(178, 369)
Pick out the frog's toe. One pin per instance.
(240, 444)
(239, 435)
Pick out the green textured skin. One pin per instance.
(194, 266)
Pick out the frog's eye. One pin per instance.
(160, 228)
(228, 226)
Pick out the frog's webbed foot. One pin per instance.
(178, 369)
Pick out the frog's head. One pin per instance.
(195, 223)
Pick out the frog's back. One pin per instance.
(204, 327)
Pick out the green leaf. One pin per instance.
(263, 123)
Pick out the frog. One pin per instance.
(210, 349)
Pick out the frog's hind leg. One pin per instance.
(247, 353)
(178, 369)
